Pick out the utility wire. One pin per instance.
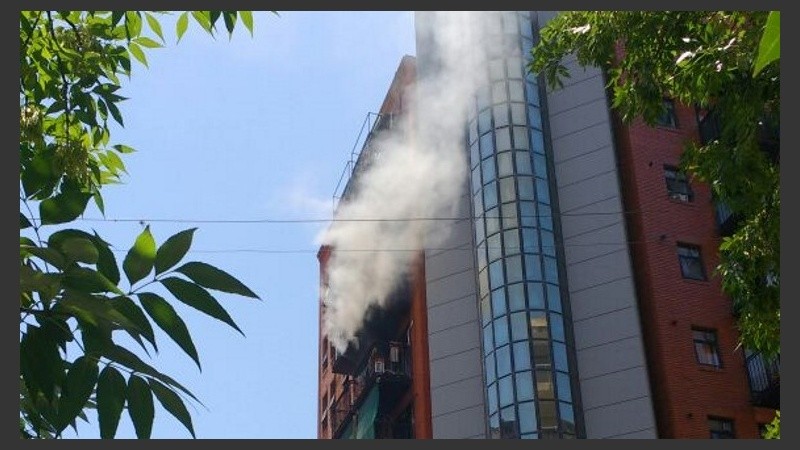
(371, 250)
(408, 219)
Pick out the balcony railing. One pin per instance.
(388, 362)
(363, 154)
(765, 380)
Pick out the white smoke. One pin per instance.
(421, 172)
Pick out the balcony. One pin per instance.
(765, 380)
(381, 324)
(384, 378)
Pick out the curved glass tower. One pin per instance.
(527, 355)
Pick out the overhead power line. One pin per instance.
(360, 219)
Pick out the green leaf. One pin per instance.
(80, 249)
(106, 262)
(41, 364)
(183, 23)
(48, 255)
(64, 207)
(213, 16)
(130, 360)
(98, 200)
(87, 280)
(164, 315)
(123, 148)
(198, 298)
(115, 111)
(111, 395)
(230, 20)
(96, 339)
(769, 49)
(38, 178)
(132, 312)
(154, 25)
(137, 53)
(81, 379)
(147, 42)
(24, 222)
(173, 250)
(202, 17)
(116, 16)
(173, 404)
(46, 284)
(114, 162)
(140, 406)
(247, 20)
(140, 258)
(96, 311)
(210, 277)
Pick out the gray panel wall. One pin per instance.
(612, 370)
(457, 403)
(457, 399)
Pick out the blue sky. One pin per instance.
(249, 128)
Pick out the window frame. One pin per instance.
(714, 346)
(721, 433)
(675, 179)
(669, 118)
(699, 259)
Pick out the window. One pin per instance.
(677, 185)
(705, 347)
(691, 264)
(720, 428)
(667, 117)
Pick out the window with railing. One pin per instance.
(678, 187)
(764, 378)
(720, 428)
(690, 262)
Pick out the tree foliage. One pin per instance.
(74, 303)
(705, 59)
(722, 62)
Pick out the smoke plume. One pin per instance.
(421, 173)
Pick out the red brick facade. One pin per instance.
(685, 392)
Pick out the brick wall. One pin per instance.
(685, 392)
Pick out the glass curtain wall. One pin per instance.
(525, 349)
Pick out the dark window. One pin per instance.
(720, 428)
(691, 263)
(677, 185)
(705, 347)
(667, 117)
